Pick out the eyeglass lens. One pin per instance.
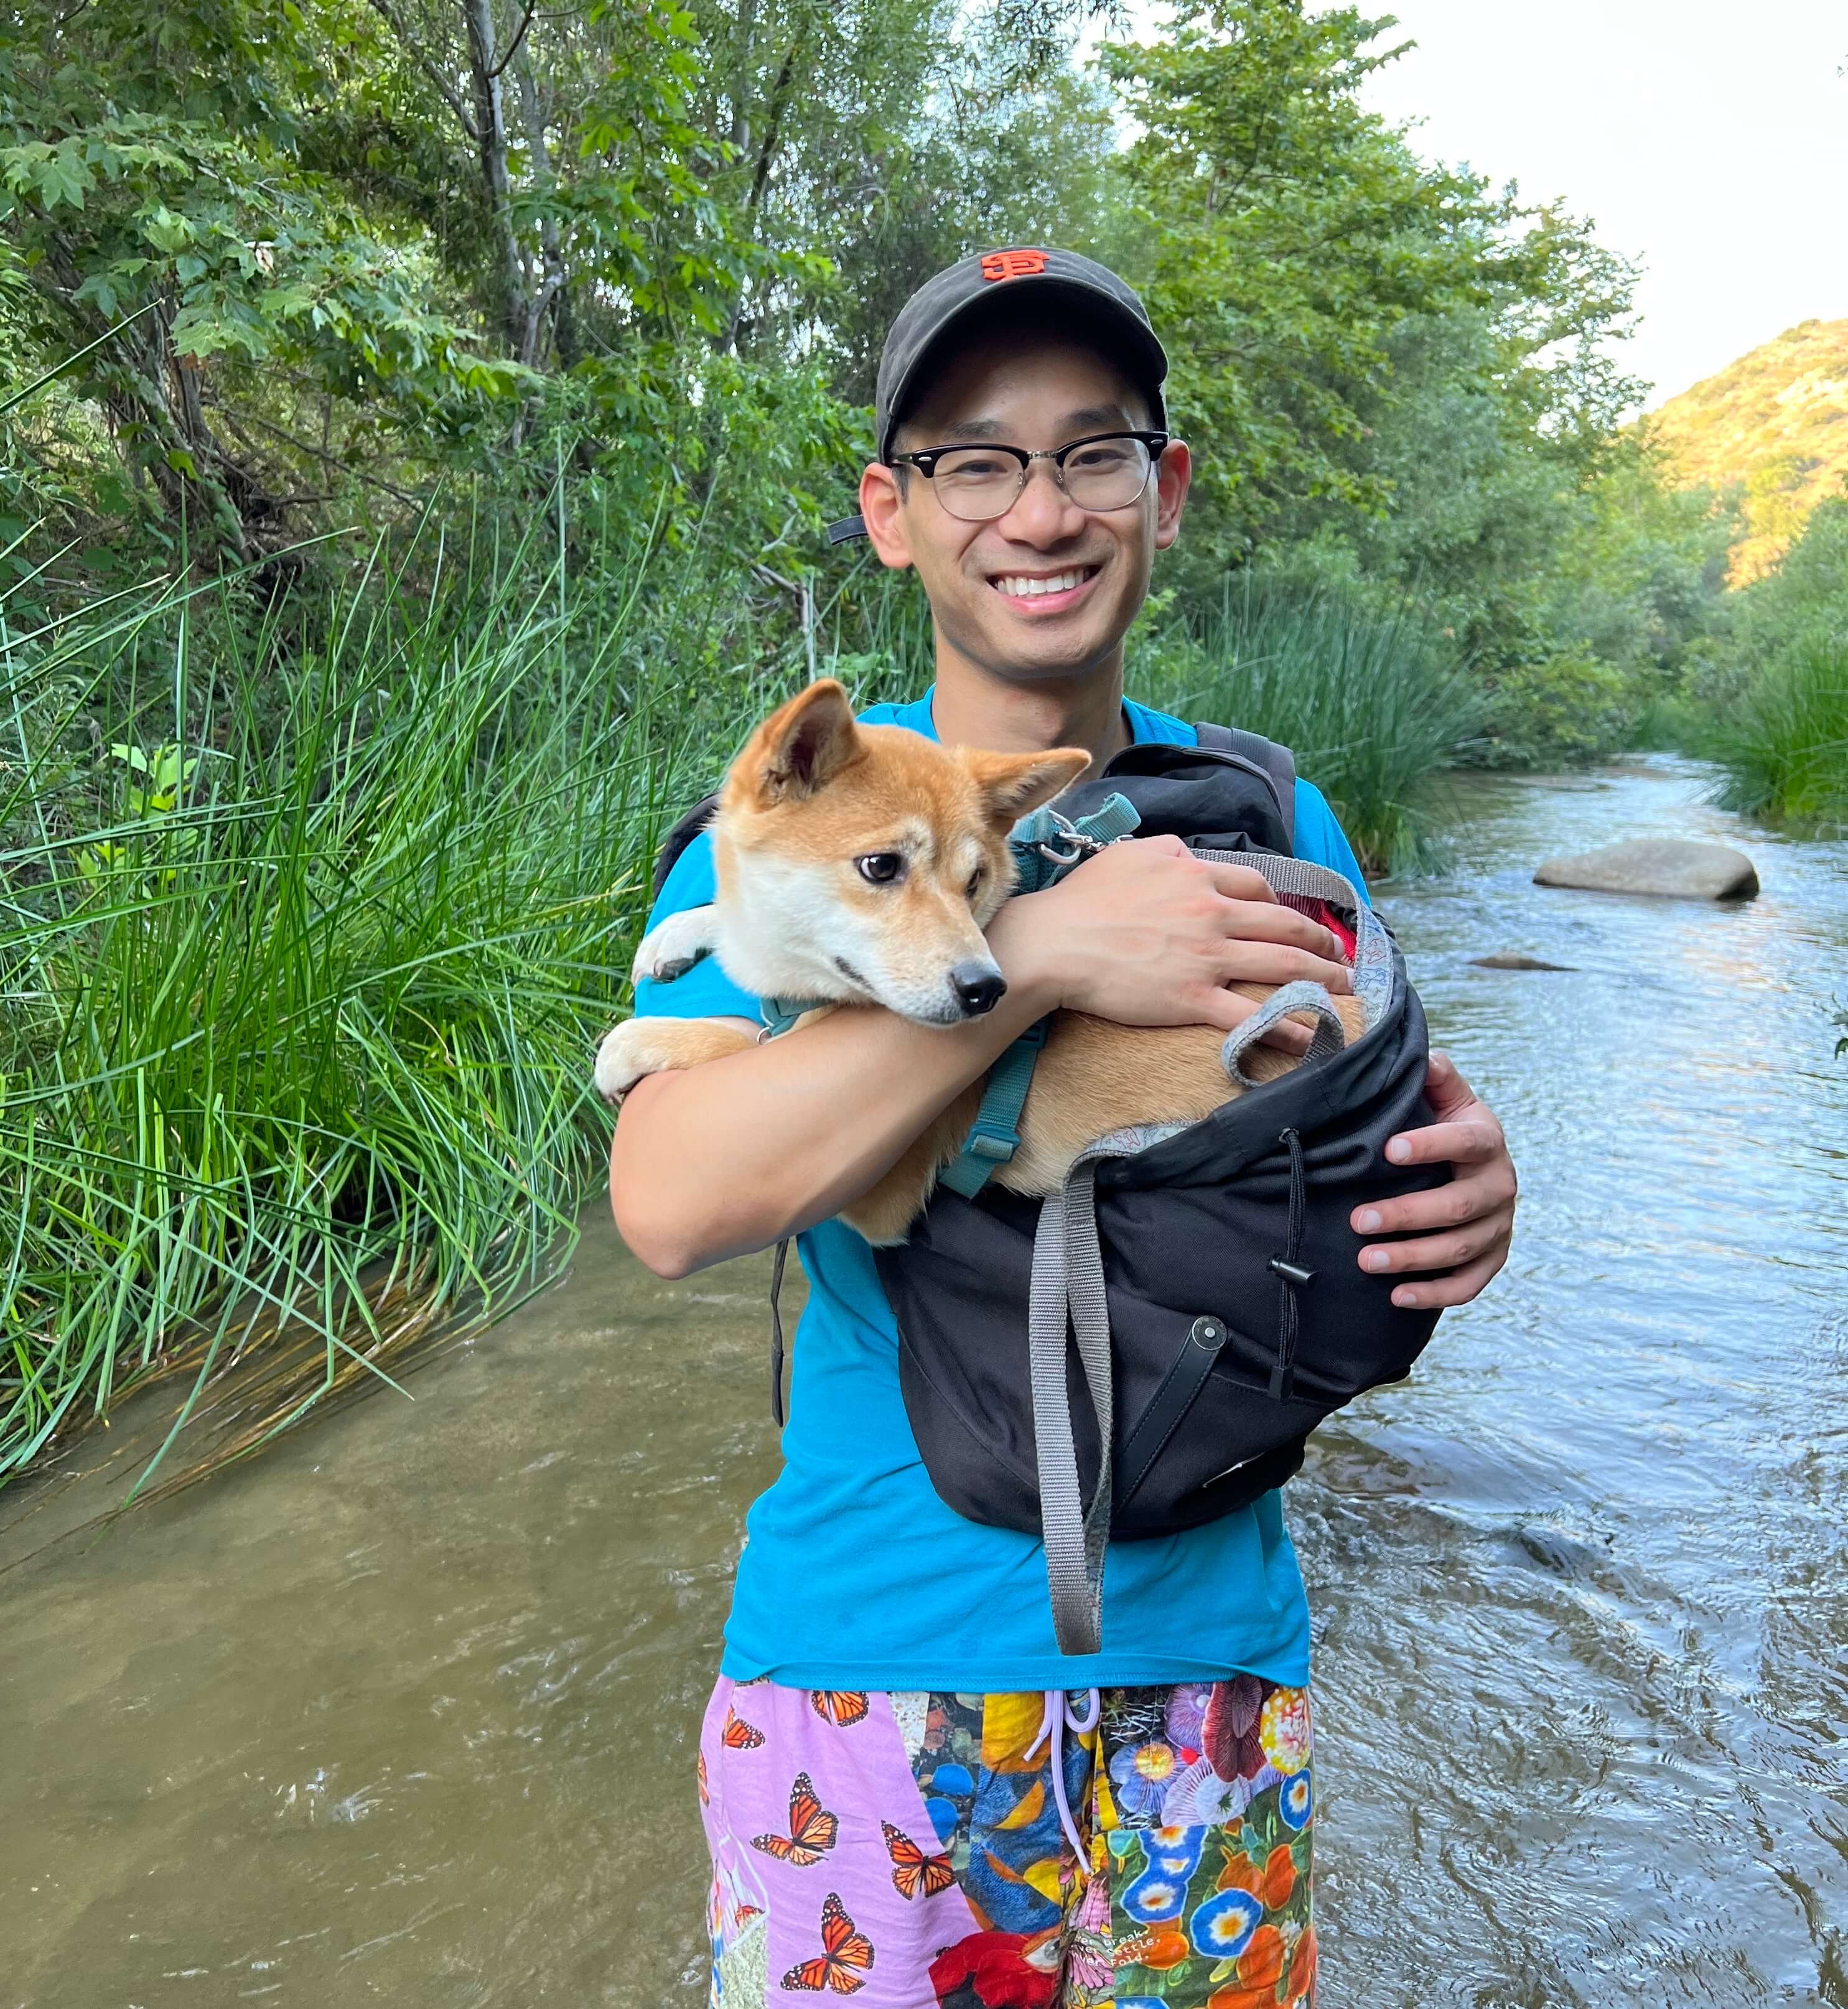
(976, 482)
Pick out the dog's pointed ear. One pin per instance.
(1014, 784)
(803, 744)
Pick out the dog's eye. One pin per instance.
(975, 884)
(880, 868)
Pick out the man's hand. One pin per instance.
(1472, 1218)
(1145, 933)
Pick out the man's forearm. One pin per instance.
(715, 1161)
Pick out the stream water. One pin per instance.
(402, 1711)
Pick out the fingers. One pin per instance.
(1474, 1198)
(1442, 1293)
(1445, 1089)
(1224, 1008)
(1250, 920)
(1274, 963)
(1471, 1143)
(1240, 882)
(1431, 1252)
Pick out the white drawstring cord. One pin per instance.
(1058, 1718)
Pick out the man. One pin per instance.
(909, 1794)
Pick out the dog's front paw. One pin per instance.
(672, 949)
(635, 1048)
(640, 1047)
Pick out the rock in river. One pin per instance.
(1509, 958)
(1669, 865)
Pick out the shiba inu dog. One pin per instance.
(857, 866)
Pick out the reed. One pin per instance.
(1784, 747)
(1370, 700)
(300, 978)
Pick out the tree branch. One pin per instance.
(519, 37)
(431, 70)
(332, 460)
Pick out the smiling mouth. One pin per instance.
(1026, 586)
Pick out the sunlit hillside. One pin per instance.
(1776, 420)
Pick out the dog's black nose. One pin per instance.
(979, 986)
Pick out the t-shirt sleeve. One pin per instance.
(704, 992)
(1321, 839)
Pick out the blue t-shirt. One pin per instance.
(855, 1575)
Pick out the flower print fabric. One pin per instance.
(907, 1849)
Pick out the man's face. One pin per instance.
(987, 582)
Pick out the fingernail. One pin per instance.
(1407, 1301)
(1367, 1220)
(1376, 1259)
(1400, 1149)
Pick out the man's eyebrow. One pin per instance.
(1089, 418)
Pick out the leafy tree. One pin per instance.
(175, 201)
(1282, 231)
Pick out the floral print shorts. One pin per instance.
(1138, 1848)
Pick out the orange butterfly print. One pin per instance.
(915, 1874)
(738, 1735)
(839, 1706)
(813, 1829)
(699, 1769)
(847, 1955)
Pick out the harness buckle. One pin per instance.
(1081, 844)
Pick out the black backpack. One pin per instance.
(1191, 1299)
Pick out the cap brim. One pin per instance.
(1094, 313)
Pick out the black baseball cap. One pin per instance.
(1094, 302)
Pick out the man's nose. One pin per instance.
(979, 986)
(1043, 513)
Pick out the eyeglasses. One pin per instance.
(978, 484)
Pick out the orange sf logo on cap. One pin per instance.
(1013, 264)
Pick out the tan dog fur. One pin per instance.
(812, 793)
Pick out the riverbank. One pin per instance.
(405, 1708)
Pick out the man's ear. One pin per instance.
(802, 745)
(1014, 784)
(882, 510)
(1173, 476)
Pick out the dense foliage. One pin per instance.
(362, 247)
(1771, 700)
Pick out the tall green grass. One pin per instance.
(1784, 747)
(1371, 700)
(301, 973)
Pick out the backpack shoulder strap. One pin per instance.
(1278, 763)
(678, 839)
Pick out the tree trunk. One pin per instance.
(491, 129)
(550, 293)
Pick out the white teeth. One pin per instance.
(1031, 589)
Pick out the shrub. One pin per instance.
(1370, 700)
(1785, 746)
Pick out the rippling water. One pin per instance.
(403, 1711)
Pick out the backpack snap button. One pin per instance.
(1207, 1332)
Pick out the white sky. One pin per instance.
(1708, 139)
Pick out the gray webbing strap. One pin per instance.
(1068, 1284)
(1330, 1037)
(1067, 1289)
